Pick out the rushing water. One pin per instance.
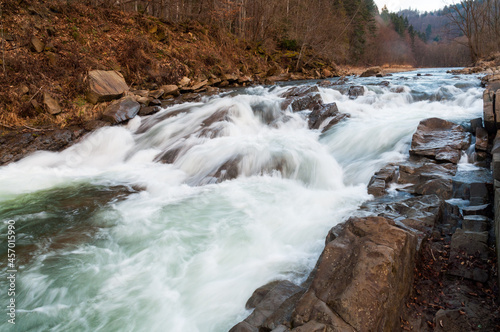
(110, 239)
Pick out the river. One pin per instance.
(110, 239)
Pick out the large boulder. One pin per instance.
(121, 110)
(105, 85)
(440, 140)
(363, 278)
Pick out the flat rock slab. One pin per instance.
(105, 85)
(362, 280)
(121, 110)
(440, 140)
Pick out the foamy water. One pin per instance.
(184, 251)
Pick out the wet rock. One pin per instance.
(476, 223)
(308, 102)
(121, 110)
(489, 111)
(320, 113)
(94, 125)
(336, 119)
(363, 278)
(259, 294)
(51, 104)
(170, 90)
(284, 312)
(483, 210)
(37, 45)
(398, 89)
(149, 110)
(439, 139)
(266, 307)
(420, 213)
(105, 86)
(371, 72)
(356, 91)
(481, 139)
(300, 91)
(416, 173)
(443, 188)
(381, 180)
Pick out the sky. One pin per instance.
(421, 5)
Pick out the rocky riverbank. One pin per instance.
(420, 256)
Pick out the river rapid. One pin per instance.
(108, 238)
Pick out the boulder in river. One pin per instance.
(439, 139)
(356, 91)
(105, 85)
(320, 113)
(121, 110)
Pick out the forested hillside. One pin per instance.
(50, 45)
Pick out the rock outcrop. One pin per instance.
(440, 140)
(363, 278)
(121, 110)
(105, 86)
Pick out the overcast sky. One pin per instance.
(421, 5)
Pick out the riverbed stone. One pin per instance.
(381, 180)
(105, 85)
(476, 223)
(121, 110)
(363, 277)
(356, 91)
(273, 299)
(440, 140)
(320, 113)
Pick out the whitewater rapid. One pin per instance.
(110, 238)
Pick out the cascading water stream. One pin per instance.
(170, 223)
